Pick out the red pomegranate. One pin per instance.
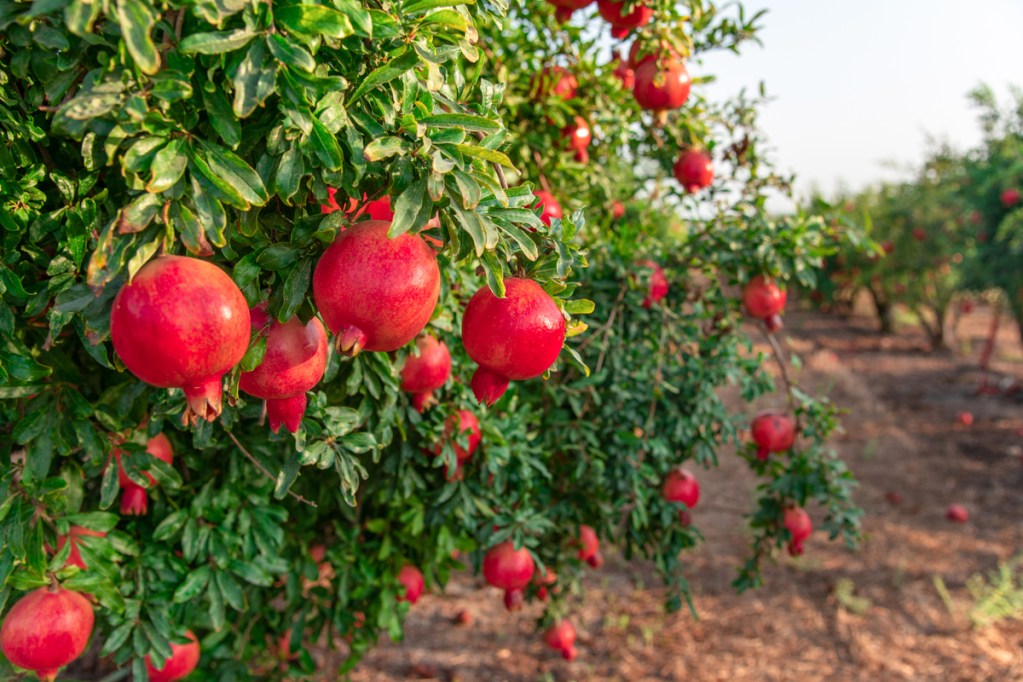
(508, 568)
(425, 373)
(965, 418)
(1010, 197)
(662, 84)
(468, 430)
(579, 138)
(295, 359)
(589, 543)
(681, 486)
(75, 557)
(376, 293)
(556, 81)
(957, 513)
(514, 599)
(570, 653)
(919, 234)
(772, 432)
(622, 24)
(183, 660)
(888, 246)
(549, 205)
(798, 524)
(512, 338)
(765, 300)
(560, 636)
(597, 560)
(134, 498)
(694, 170)
(617, 210)
(182, 323)
(412, 580)
(658, 284)
(625, 72)
(46, 629)
(565, 8)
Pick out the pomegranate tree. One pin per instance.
(765, 300)
(426, 372)
(512, 338)
(561, 637)
(376, 293)
(74, 533)
(46, 629)
(797, 522)
(294, 362)
(181, 323)
(508, 569)
(694, 169)
(411, 579)
(772, 432)
(134, 498)
(183, 660)
(548, 205)
(623, 21)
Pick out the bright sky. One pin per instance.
(858, 85)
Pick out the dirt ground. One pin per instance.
(896, 609)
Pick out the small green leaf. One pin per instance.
(291, 53)
(489, 155)
(312, 20)
(383, 148)
(194, 583)
(168, 166)
(137, 19)
(386, 73)
(216, 42)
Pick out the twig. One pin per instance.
(779, 357)
(264, 469)
(497, 167)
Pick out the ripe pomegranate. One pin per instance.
(46, 629)
(560, 636)
(622, 24)
(467, 422)
(295, 359)
(965, 418)
(658, 284)
(579, 138)
(957, 513)
(695, 170)
(1010, 198)
(565, 8)
(512, 338)
(376, 293)
(919, 234)
(617, 210)
(508, 568)
(75, 557)
(625, 72)
(589, 543)
(318, 553)
(772, 432)
(425, 373)
(681, 486)
(662, 84)
(412, 579)
(550, 206)
(765, 300)
(798, 524)
(184, 659)
(556, 81)
(888, 246)
(181, 323)
(134, 498)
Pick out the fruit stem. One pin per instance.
(204, 400)
(286, 411)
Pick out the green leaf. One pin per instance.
(171, 525)
(236, 173)
(216, 42)
(465, 121)
(137, 19)
(426, 5)
(386, 73)
(296, 285)
(168, 166)
(383, 148)
(222, 117)
(99, 521)
(407, 207)
(291, 53)
(290, 169)
(488, 155)
(137, 215)
(312, 20)
(254, 80)
(194, 583)
(287, 476)
(325, 146)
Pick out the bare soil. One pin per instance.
(874, 614)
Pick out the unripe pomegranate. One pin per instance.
(512, 338)
(588, 541)
(957, 513)
(412, 579)
(183, 660)
(560, 636)
(565, 8)
(549, 205)
(681, 486)
(694, 170)
(622, 24)
(662, 84)
(75, 557)
(658, 284)
(295, 359)
(772, 432)
(579, 138)
(182, 323)
(376, 293)
(556, 81)
(467, 422)
(514, 599)
(1010, 198)
(798, 524)
(625, 72)
(46, 629)
(508, 568)
(425, 373)
(134, 498)
(765, 300)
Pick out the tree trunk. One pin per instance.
(885, 313)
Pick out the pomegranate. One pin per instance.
(508, 569)
(295, 359)
(597, 560)
(765, 300)
(376, 293)
(75, 557)
(549, 205)
(556, 81)
(181, 323)
(965, 418)
(681, 486)
(378, 209)
(463, 617)
(425, 373)
(617, 210)
(560, 636)
(564, 8)
(919, 234)
(662, 84)
(514, 599)
(468, 428)
(579, 138)
(589, 543)
(658, 284)
(1010, 198)
(412, 579)
(622, 24)
(183, 660)
(318, 553)
(888, 246)
(625, 72)
(46, 629)
(800, 527)
(513, 338)
(134, 498)
(772, 432)
(957, 513)
(570, 653)
(695, 170)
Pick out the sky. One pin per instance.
(857, 87)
